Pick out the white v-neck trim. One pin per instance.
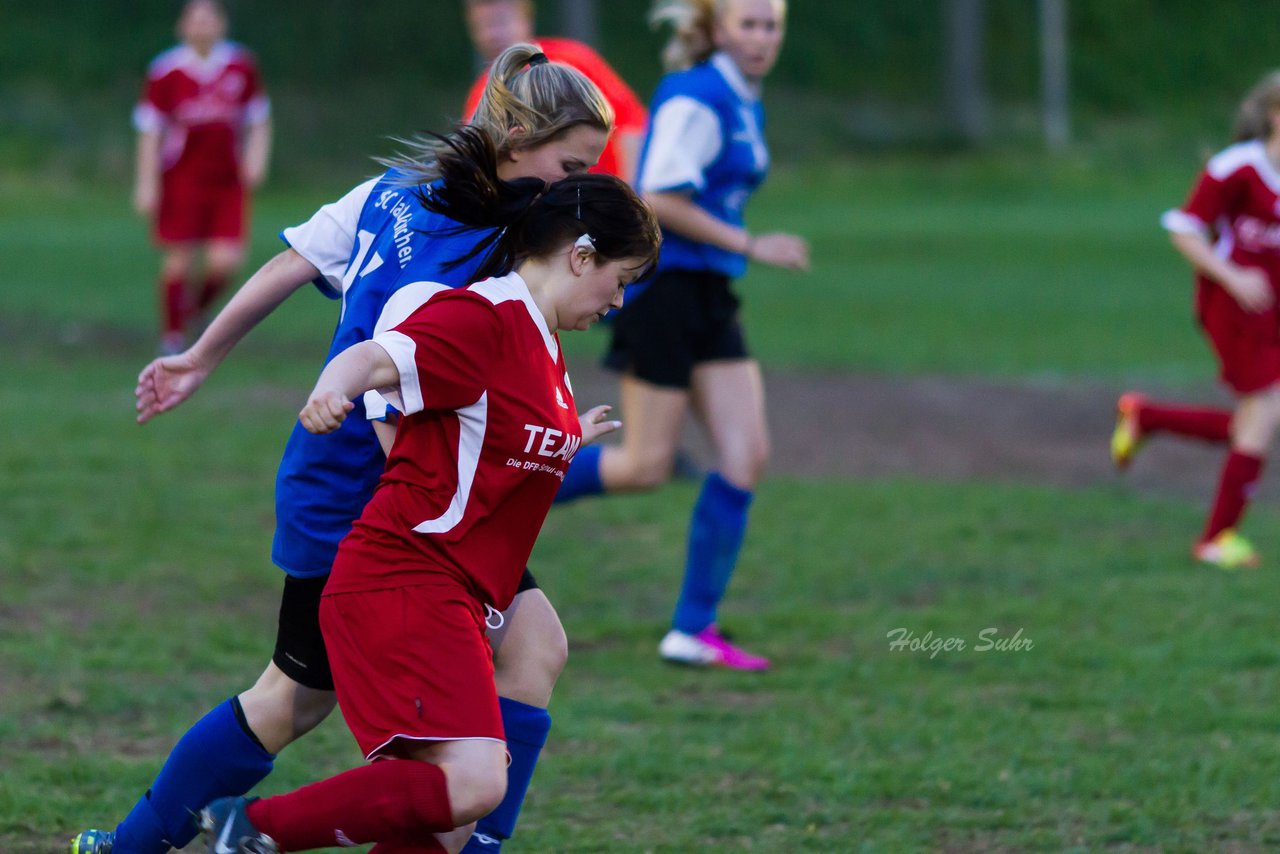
(512, 286)
(732, 75)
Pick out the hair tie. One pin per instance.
(538, 59)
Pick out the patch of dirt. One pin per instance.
(955, 428)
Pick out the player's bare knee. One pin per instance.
(474, 792)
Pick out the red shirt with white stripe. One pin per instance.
(488, 431)
(200, 106)
(1236, 204)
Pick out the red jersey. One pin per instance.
(1236, 203)
(488, 431)
(629, 114)
(200, 106)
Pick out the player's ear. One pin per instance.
(516, 136)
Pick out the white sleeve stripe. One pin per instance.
(402, 303)
(400, 347)
(686, 138)
(1181, 222)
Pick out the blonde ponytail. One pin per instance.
(692, 25)
(524, 105)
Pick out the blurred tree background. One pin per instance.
(854, 74)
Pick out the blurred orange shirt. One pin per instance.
(629, 114)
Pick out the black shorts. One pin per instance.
(682, 318)
(300, 653)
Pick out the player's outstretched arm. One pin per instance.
(357, 369)
(170, 380)
(596, 424)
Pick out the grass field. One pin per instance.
(137, 591)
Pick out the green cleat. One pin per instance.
(93, 842)
(1127, 437)
(1228, 550)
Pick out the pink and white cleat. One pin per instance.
(708, 648)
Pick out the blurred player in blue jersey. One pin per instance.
(547, 121)
(703, 157)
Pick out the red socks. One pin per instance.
(399, 800)
(1236, 487)
(1213, 425)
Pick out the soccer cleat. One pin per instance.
(93, 842)
(1228, 550)
(229, 831)
(1127, 438)
(708, 648)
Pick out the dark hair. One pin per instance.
(534, 219)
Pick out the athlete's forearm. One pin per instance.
(257, 152)
(257, 298)
(359, 368)
(678, 213)
(1199, 252)
(146, 178)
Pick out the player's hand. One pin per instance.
(1250, 287)
(166, 382)
(780, 250)
(325, 412)
(596, 424)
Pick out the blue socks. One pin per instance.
(583, 477)
(715, 537)
(526, 729)
(216, 758)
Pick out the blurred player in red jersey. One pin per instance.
(1229, 229)
(204, 135)
(488, 429)
(495, 25)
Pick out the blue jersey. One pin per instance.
(705, 138)
(374, 243)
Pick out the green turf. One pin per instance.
(1009, 265)
(136, 590)
(136, 594)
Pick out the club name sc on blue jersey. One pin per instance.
(324, 481)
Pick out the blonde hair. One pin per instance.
(693, 29)
(1253, 119)
(523, 106)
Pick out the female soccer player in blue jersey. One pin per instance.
(547, 121)
(678, 341)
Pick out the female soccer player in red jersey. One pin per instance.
(204, 135)
(489, 428)
(368, 249)
(1229, 230)
(495, 25)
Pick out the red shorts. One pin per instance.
(1247, 345)
(411, 664)
(193, 210)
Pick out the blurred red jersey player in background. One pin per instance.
(495, 25)
(204, 135)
